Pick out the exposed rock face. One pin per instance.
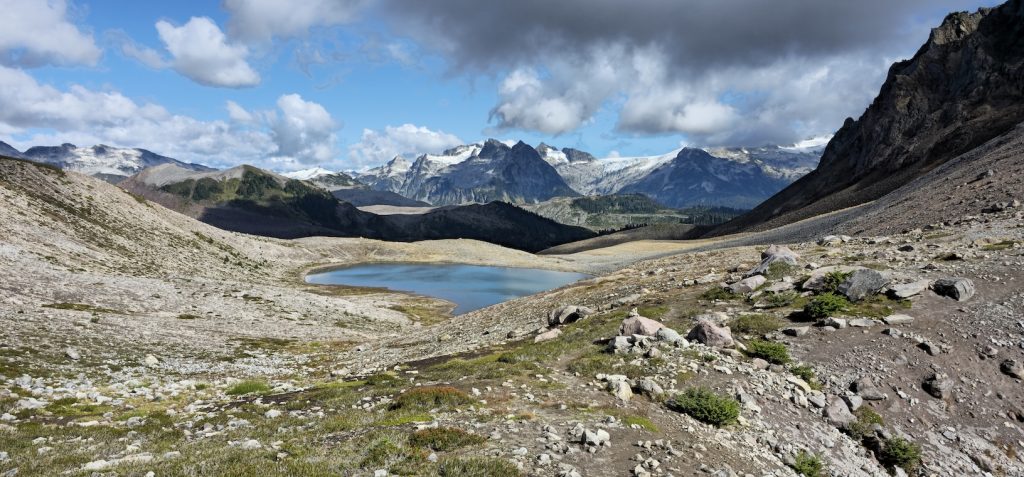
(961, 89)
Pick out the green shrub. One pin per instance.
(185, 316)
(825, 305)
(707, 406)
(866, 420)
(718, 294)
(248, 387)
(833, 280)
(431, 397)
(808, 465)
(780, 300)
(477, 467)
(443, 439)
(775, 353)
(807, 374)
(755, 324)
(780, 269)
(899, 452)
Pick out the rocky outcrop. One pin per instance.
(962, 88)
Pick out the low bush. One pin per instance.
(808, 465)
(718, 294)
(899, 452)
(866, 420)
(755, 324)
(443, 439)
(431, 397)
(775, 353)
(833, 280)
(780, 300)
(825, 305)
(807, 374)
(707, 406)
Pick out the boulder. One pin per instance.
(596, 438)
(747, 285)
(838, 413)
(547, 335)
(816, 282)
(669, 335)
(775, 253)
(830, 241)
(568, 314)
(959, 289)
(938, 385)
(1012, 368)
(907, 290)
(649, 387)
(709, 334)
(620, 344)
(796, 330)
(862, 283)
(638, 325)
(619, 387)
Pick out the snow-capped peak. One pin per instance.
(308, 174)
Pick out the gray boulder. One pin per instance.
(568, 314)
(638, 325)
(959, 289)
(669, 335)
(708, 334)
(747, 285)
(1012, 368)
(838, 413)
(907, 290)
(862, 283)
(938, 385)
(775, 253)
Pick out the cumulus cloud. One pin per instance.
(201, 51)
(298, 132)
(744, 70)
(262, 20)
(38, 32)
(304, 131)
(407, 140)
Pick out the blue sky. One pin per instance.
(349, 83)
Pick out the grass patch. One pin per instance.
(251, 386)
(780, 300)
(877, 306)
(780, 269)
(899, 452)
(70, 407)
(998, 246)
(444, 439)
(825, 305)
(755, 324)
(432, 397)
(80, 307)
(477, 467)
(807, 374)
(185, 316)
(707, 406)
(718, 294)
(644, 423)
(591, 365)
(808, 465)
(775, 353)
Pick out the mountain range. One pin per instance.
(109, 163)
(732, 177)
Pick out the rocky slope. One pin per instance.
(963, 88)
(250, 200)
(109, 163)
(325, 179)
(131, 346)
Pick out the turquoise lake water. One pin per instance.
(470, 287)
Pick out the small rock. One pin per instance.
(747, 285)
(72, 354)
(938, 385)
(898, 319)
(151, 361)
(959, 289)
(251, 444)
(1012, 368)
(547, 335)
(796, 330)
(862, 322)
(907, 290)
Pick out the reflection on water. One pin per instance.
(470, 287)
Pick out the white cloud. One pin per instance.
(408, 140)
(37, 32)
(143, 54)
(201, 51)
(298, 132)
(304, 132)
(262, 20)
